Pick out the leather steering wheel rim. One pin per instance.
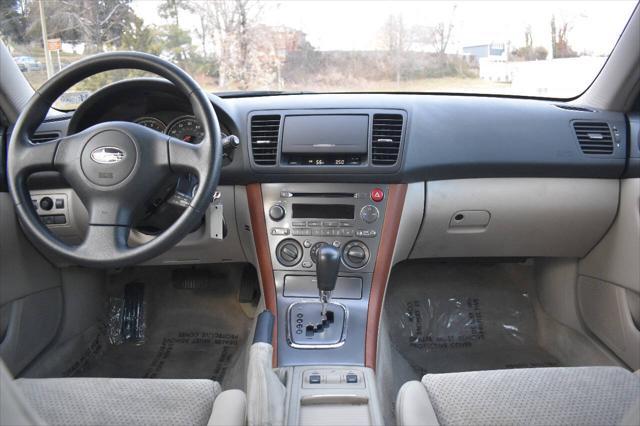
(112, 166)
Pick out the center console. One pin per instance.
(300, 219)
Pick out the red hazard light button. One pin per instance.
(377, 195)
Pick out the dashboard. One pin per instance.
(485, 176)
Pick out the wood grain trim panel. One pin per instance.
(390, 226)
(260, 238)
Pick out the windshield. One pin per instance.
(545, 49)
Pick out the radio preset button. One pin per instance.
(279, 231)
(331, 223)
(298, 223)
(314, 223)
(369, 213)
(346, 224)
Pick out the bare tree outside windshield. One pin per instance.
(546, 49)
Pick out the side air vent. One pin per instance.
(594, 137)
(264, 139)
(44, 137)
(385, 139)
(573, 108)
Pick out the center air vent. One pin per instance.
(594, 137)
(385, 139)
(264, 139)
(44, 137)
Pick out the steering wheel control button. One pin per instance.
(277, 212)
(46, 203)
(377, 195)
(369, 213)
(108, 158)
(355, 254)
(289, 253)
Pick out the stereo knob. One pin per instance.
(314, 251)
(369, 213)
(289, 252)
(277, 212)
(355, 254)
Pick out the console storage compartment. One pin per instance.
(321, 395)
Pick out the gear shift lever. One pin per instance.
(327, 273)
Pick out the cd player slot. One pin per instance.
(324, 195)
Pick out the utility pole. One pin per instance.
(47, 54)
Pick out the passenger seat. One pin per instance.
(536, 396)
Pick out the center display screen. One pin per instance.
(322, 211)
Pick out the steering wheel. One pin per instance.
(114, 167)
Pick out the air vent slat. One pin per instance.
(45, 137)
(265, 130)
(594, 137)
(386, 137)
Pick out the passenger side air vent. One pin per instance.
(573, 108)
(45, 137)
(264, 139)
(594, 137)
(385, 139)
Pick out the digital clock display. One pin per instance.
(325, 160)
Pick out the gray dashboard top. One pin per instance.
(446, 137)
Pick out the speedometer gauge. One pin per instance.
(152, 123)
(187, 129)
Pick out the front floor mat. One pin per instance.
(190, 333)
(449, 317)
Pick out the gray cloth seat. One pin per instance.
(106, 401)
(540, 396)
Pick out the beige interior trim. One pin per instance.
(515, 217)
(616, 258)
(413, 406)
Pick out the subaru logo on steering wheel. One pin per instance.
(107, 155)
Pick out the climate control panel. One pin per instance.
(301, 218)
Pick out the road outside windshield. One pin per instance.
(543, 49)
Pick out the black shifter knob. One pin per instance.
(327, 267)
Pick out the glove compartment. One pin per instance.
(515, 217)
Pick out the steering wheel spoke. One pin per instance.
(35, 157)
(104, 242)
(185, 157)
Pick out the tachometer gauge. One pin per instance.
(187, 129)
(152, 123)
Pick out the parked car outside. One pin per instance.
(28, 63)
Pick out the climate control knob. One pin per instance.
(277, 212)
(289, 252)
(355, 254)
